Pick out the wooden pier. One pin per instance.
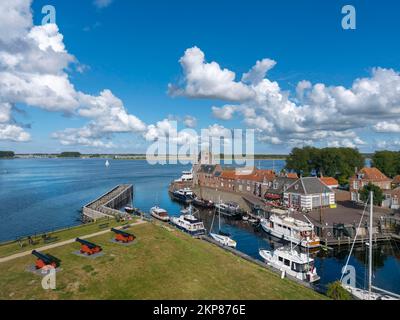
(108, 204)
(359, 240)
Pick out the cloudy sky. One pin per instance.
(112, 75)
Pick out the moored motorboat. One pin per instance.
(159, 213)
(188, 223)
(292, 230)
(229, 209)
(187, 176)
(203, 203)
(290, 261)
(184, 195)
(129, 209)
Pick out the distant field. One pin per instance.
(162, 264)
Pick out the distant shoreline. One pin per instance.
(119, 157)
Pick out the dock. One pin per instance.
(107, 205)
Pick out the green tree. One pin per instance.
(69, 154)
(7, 154)
(340, 163)
(378, 194)
(387, 161)
(301, 160)
(337, 292)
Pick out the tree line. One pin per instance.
(388, 162)
(340, 163)
(7, 154)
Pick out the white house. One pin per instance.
(309, 193)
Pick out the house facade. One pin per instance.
(391, 199)
(254, 182)
(363, 178)
(308, 193)
(205, 174)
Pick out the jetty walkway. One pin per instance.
(107, 205)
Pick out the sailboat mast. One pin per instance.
(371, 212)
(219, 215)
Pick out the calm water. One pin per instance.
(38, 195)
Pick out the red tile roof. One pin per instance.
(396, 179)
(292, 175)
(257, 175)
(329, 181)
(373, 174)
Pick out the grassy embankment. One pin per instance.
(162, 264)
(10, 248)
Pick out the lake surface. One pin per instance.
(40, 195)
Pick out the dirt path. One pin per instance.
(63, 243)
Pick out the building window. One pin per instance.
(355, 185)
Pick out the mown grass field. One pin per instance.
(14, 247)
(162, 264)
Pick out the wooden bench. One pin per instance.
(50, 239)
(104, 225)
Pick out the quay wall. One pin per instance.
(108, 204)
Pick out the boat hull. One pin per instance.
(156, 216)
(269, 260)
(303, 243)
(129, 210)
(224, 240)
(362, 294)
(181, 199)
(193, 233)
(203, 204)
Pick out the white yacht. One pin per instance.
(228, 209)
(187, 222)
(184, 195)
(298, 265)
(187, 176)
(292, 230)
(159, 213)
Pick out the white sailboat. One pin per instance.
(360, 293)
(221, 237)
(107, 164)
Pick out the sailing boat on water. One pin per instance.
(221, 237)
(107, 164)
(360, 293)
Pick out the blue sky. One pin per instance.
(133, 49)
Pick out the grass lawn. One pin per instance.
(14, 247)
(162, 264)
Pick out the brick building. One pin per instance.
(366, 176)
